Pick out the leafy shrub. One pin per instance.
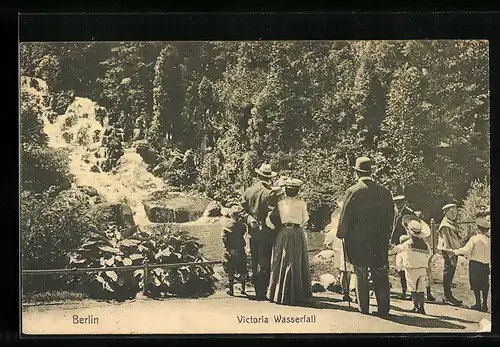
(166, 247)
(179, 175)
(219, 179)
(43, 167)
(50, 228)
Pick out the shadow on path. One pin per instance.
(323, 302)
(423, 322)
(399, 309)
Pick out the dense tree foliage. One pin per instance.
(420, 109)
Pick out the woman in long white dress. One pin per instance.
(340, 261)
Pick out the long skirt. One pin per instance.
(290, 282)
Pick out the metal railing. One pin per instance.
(146, 267)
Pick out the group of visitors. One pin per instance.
(368, 224)
(274, 218)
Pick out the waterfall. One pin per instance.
(79, 131)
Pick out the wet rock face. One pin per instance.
(62, 100)
(149, 155)
(107, 212)
(167, 207)
(214, 209)
(90, 191)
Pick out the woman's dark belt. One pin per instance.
(291, 225)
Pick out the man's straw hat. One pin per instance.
(266, 171)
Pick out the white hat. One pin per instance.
(293, 183)
(265, 171)
(447, 206)
(415, 226)
(483, 222)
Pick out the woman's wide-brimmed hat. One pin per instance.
(483, 223)
(266, 171)
(415, 226)
(282, 180)
(363, 164)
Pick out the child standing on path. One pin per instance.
(400, 267)
(415, 255)
(347, 277)
(234, 256)
(478, 250)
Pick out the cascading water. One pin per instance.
(79, 131)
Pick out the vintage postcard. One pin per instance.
(255, 187)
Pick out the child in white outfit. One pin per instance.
(415, 253)
(400, 267)
(478, 250)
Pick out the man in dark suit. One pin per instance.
(400, 209)
(365, 224)
(257, 202)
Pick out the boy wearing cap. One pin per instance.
(234, 256)
(415, 257)
(448, 240)
(478, 250)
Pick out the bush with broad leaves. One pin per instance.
(112, 250)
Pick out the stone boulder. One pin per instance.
(317, 287)
(160, 169)
(166, 207)
(62, 100)
(64, 183)
(121, 214)
(90, 191)
(213, 210)
(74, 195)
(326, 254)
(147, 153)
(330, 282)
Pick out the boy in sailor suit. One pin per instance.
(415, 253)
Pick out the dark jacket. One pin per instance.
(258, 201)
(365, 223)
(233, 237)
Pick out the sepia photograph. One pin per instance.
(255, 187)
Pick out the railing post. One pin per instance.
(146, 278)
(433, 227)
